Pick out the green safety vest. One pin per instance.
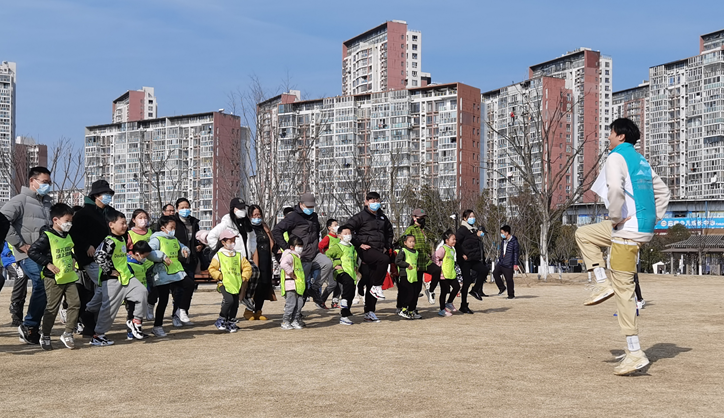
(61, 249)
(299, 283)
(332, 241)
(139, 270)
(120, 261)
(411, 259)
(171, 247)
(230, 272)
(135, 237)
(448, 263)
(348, 260)
(286, 236)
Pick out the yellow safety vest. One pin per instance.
(61, 250)
(299, 282)
(135, 237)
(171, 247)
(230, 267)
(411, 259)
(448, 263)
(139, 270)
(120, 261)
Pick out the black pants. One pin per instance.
(263, 289)
(434, 271)
(481, 271)
(182, 292)
(406, 292)
(508, 273)
(451, 287)
(229, 304)
(17, 298)
(163, 292)
(377, 263)
(639, 298)
(347, 291)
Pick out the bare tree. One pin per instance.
(67, 163)
(438, 210)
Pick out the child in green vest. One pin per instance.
(53, 251)
(117, 282)
(445, 258)
(139, 230)
(406, 293)
(142, 268)
(293, 283)
(325, 244)
(231, 269)
(344, 259)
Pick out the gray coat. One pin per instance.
(27, 213)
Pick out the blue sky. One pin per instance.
(75, 57)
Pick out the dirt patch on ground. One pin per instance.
(541, 355)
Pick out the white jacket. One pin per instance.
(226, 223)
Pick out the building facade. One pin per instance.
(387, 57)
(8, 78)
(135, 105)
(27, 154)
(151, 162)
(631, 103)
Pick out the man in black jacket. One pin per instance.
(373, 235)
(508, 261)
(303, 222)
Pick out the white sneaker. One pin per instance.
(159, 332)
(345, 321)
(150, 311)
(63, 315)
(371, 317)
(286, 325)
(431, 298)
(136, 329)
(640, 304)
(183, 316)
(176, 321)
(376, 291)
(296, 325)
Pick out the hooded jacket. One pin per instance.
(27, 213)
(89, 230)
(303, 226)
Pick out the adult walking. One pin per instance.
(471, 256)
(238, 221)
(186, 228)
(507, 262)
(88, 232)
(264, 245)
(303, 222)
(27, 213)
(373, 235)
(425, 247)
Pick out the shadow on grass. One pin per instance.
(527, 297)
(494, 310)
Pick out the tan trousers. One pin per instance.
(624, 252)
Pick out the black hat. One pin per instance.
(237, 203)
(100, 187)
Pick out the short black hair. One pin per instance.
(505, 228)
(36, 171)
(287, 210)
(165, 220)
(59, 210)
(408, 236)
(330, 221)
(467, 213)
(294, 241)
(447, 234)
(181, 200)
(343, 227)
(372, 195)
(166, 205)
(113, 215)
(627, 128)
(141, 247)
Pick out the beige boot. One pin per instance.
(249, 315)
(259, 317)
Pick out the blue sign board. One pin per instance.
(694, 223)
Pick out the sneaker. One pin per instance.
(371, 317)
(431, 298)
(476, 295)
(403, 313)
(220, 324)
(45, 343)
(135, 328)
(450, 307)
(444, 312)
(335, 305)
(149, 312)
(416, 315)
(100, 341)
(79, 328)
(599, 293)
(63, 315)
(633, 362)
(345, 321)
(67, 339)
(287, 325)
(376, 291)
(321, 305)
(28, 335)
(183, 316)
(129, 336)
(465, 309)
(301, 322)
(426, 289)
(640, 304)
(159, 332)
(296, 325)
(177, 321)
(231, 327)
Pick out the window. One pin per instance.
(414, 83)
(414, 64)
(414, 38)
(414, 55)
(414, 47)
(608, 64)
(402, 46)
(150, 115)
(607, 73)
(150, 101)
(607, 80)
(414, 73)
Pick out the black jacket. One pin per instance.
(40, 250)
(182, 236)
(510, 258)
(4, 228)
(373, 229)
(303, 226)
(468, 243)
(89, 229)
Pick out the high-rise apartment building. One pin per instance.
(573, 92)
(387, 57)
(135, 105)
(631, 103)
(27, 154)
(685, 121)
(8, 77)
(155, 161)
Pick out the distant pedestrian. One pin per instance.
(471, 257)
(507, 262)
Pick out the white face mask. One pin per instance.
(240, 213)
(298, 249)
(142, 223)
(229, 245)
(335, 229)
(346, 238)
(171, 232)
(65, 227)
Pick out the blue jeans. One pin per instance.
(36, 308)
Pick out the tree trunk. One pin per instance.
(543, 245)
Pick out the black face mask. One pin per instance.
(421, 222)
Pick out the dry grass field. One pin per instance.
(541, 355)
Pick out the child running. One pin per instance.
(168, 271)
(408, 291)
(117, 282)
(293, 283)
(230, 268)
(344, 258)
(142, 269)
(53, 250)
(324, 245)
(445, 258)
(138, 230)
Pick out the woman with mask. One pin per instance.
(264, 245)
(470, 256)
(238, 221)
(186, 228)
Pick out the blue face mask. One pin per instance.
(502, 236)
(308, 211)
(374, 206)
(482, 234)
(471, 221)
(184, 212)
(256, 221)
(106, 199)
(43, 189)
